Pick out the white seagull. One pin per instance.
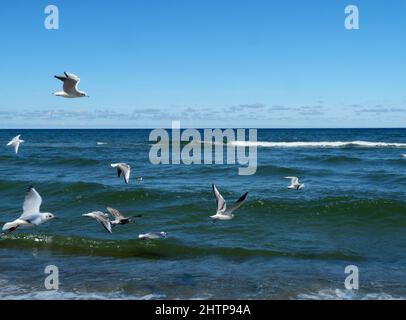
(119, 217)
(294, 183)
(31, 212)
(15, 142)
(100, 217)
(124, 170)
(70, 87)
(153, 235)
(224, 213)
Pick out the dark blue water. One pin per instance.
(281, 244)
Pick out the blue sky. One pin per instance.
(207, 63)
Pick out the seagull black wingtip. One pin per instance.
(243, 197)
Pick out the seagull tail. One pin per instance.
(11, 226)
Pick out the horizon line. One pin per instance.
(202, 128)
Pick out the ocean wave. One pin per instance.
(274, 169)
(340, 160)
(339, 210)
(339, 294)
(319, 144)
(16, 292)
(170, 248)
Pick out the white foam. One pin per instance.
(14, 292)
(339, 294)
(318, 144)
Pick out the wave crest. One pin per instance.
(318, 144)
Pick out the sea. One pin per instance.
(282, 243)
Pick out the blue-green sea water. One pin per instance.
(282, 244)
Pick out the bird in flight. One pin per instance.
(70, 86)
(31, 212)
(124, 170)
(294, 183)
(224, 213)
(15, 142)
(119, 217)
(101, 217)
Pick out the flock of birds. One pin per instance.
(32, 215)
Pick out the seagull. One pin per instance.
(124, 170)
(403, 155)
(224, 213)
(153, 235)
(31, 212)
(70, 87)
(119, 217)
(294, 183)
(15, 142)
(101, 217)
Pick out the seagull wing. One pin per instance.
(123, 169)
(14, 140)
(237, 204)
(70, 82)
(115, 213)
(126, 170)
(72, 76)
(294, 180)
(32, 202)
(221, 203)
(16, 146)
(105, 222)
(119, 171)
(69, 85)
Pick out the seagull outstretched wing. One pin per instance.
(221, 203)
(70, 82)
(236, 204)
(32, 202)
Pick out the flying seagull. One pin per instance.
(70, 86)
(119, 217)
(100, 217)
(15, 142)
(31, 212)
(224, 213)
(294, 183)
(124, 170)
(153, 235)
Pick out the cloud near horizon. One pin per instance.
(196, 116)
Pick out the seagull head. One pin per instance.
(49, 216)
(84, 94)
